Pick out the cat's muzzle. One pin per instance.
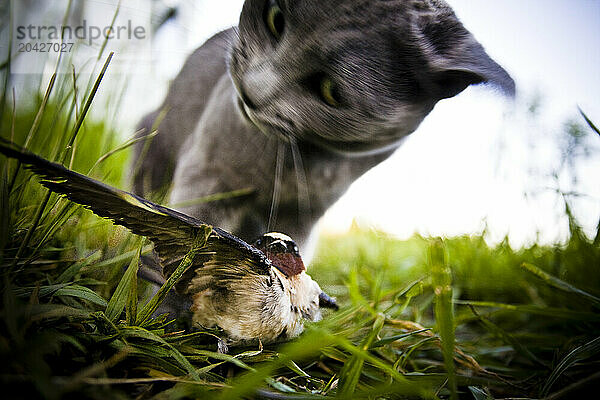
(248, 115)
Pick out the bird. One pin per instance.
(271, 306)
(259, 291)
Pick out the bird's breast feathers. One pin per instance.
(266, 307)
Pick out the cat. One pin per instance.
(298, 101)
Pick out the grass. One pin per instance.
(421, 318)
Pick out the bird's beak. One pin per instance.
(327, 302)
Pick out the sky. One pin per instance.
(478, 161)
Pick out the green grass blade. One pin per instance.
(118, 259)
(33, 227)
(350, 373)
(391, 339)
(42, 291)
(38, 117)
(296, 369)
(407, 292)
(4, 211)
(581, 353)
(184, 265)
(219, 356)
(122, 147)
(141, 333)
(589, 122)
(552, 312)
(120, 297)
(444, 311)
(560, 284)
(81, 292)
(479, 394)
(86, 107)
(310, 343)
(58, 221)
(41, 312)
(354, 291)
(401, 381)
(507, 338)
(147, 142)
(74, 269)
(132, 296)
(34, 127)
(108, 35)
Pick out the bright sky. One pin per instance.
(477, 161)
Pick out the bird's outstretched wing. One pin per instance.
(171, 232)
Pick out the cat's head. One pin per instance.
(353, 76)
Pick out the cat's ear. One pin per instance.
(453, 74)
(456, 60)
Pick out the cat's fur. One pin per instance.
(390, 61)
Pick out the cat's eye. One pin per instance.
(274, 19)
(329, 92)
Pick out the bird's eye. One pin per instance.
(329, 92)
(296, 250)
(274, 19)
(259, 242)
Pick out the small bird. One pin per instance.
(250, 292)
(247, 303)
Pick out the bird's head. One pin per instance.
(285, 256)
(282, 251)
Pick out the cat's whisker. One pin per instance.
(301, 181)
(277, 185)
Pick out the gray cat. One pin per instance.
(301, 99)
